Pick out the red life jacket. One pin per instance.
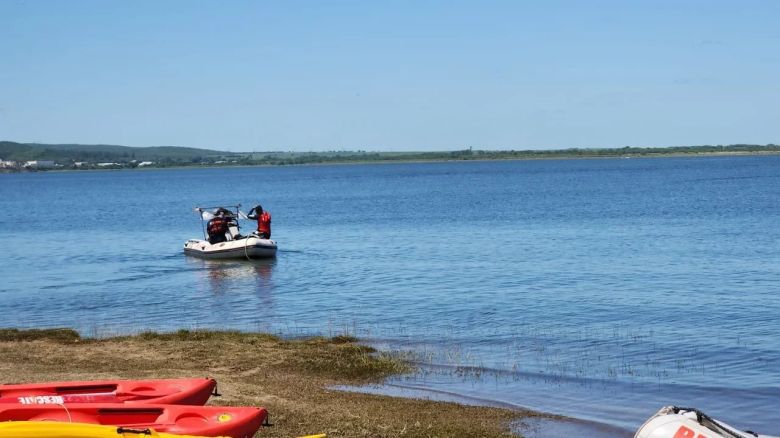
(217, 225)
(264, 223)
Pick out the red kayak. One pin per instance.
(164, 391)
(175, 419)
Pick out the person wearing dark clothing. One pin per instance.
(263, 221)
(217, 227)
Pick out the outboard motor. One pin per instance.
(674, 422)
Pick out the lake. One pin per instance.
(602, 289)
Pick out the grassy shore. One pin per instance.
(290, 378)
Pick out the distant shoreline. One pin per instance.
(545, 155)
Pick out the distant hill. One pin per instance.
(68, 153)
(98, 156)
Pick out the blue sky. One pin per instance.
(394, 75)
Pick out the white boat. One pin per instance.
(250, 247)
(675, 422)
(235, 247)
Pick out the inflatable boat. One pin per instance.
(51, 429)
(234, 245)
(249, 247)
(210, 421)
(675, 422)
(173, 391)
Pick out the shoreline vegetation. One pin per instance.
(20, 157)
(289, 377)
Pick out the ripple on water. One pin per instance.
(557, 272)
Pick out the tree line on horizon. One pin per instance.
(164, 156)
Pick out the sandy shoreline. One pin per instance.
(293, 379)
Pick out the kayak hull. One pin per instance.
(210, 421)
(160, 391)
(47, 429)
(245, 248)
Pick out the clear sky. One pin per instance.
(390, 75)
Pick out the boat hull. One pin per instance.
(161, 391)
(211, 421)
(674, 422)
(246, 248)
(50, 429)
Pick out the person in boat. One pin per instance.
(263, 221)
(217, 227)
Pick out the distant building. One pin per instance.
(39, 164)
(145, 163)
(80, 163)
(7, 164)
(107, 164)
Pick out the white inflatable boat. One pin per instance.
(250, 247)
(235, 246)
(674, 422)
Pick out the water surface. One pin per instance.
(600, 289)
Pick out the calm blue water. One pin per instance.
(601, 289)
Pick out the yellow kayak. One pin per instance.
(53, 429)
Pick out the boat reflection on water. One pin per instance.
(226, 276)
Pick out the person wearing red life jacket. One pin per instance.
(218, 226)
(263, 221)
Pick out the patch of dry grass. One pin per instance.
(288, 377)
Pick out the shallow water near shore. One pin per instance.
(531, 427)
(599, 289)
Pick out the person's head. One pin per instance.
(258, 208)
(222, 212)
